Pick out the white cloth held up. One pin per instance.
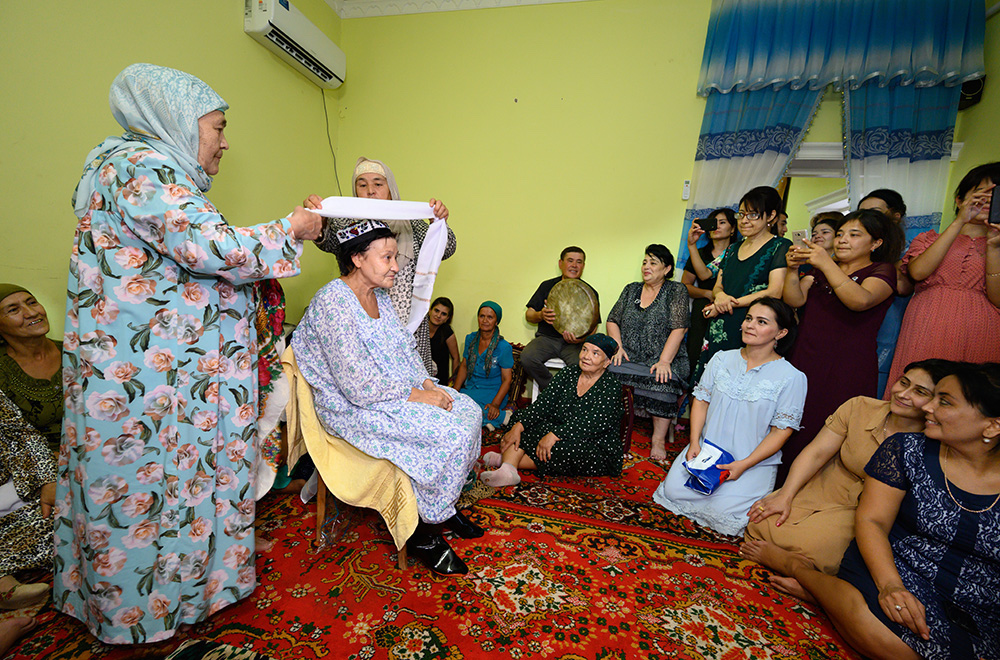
(431, 251)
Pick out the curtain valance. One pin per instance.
(753, 44)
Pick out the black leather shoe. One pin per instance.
(437, 555)
(463, 527)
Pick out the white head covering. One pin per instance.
(402, 228)
(159, 108)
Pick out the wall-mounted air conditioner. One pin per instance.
(285, 31)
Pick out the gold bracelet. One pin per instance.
(992, 274)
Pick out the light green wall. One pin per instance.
(59, 59)
(540, 127)
(977, 126)
(593, 151)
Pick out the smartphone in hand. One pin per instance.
(708, 225)
(799, 237)
(994, 217)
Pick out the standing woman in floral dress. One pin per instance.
(154, 504)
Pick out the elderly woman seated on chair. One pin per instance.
(370, 387)
(573, 427)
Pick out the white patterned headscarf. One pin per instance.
(159, 108)
(402, 228)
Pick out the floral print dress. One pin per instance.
(361, 371)
(154, 506)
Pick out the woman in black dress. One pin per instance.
(444, 346)
(648, 322)
(701, 271)
(572, 429)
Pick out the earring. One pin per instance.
(986, 440)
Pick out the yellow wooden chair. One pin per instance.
(351, 475)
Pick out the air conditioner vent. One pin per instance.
(307, 60)
(288, 33)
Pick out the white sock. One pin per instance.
(505, 475)
(492, 460)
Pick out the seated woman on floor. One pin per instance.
(444, 346)
(487, 381)
(813, 512)
(572, 429)
(649, 321)
(370, 387)
(31, 363)
(922, 579)
(747, 402)
(27, 493)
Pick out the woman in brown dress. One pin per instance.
(813, 512)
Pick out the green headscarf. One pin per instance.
(603, 342)
(10, 289)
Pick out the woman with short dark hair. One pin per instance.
(813, 511)
(748, 270)
(648, 322)
(30, 362)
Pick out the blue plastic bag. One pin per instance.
(706, 476)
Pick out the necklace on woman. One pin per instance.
(947, 487)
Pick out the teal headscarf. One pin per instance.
(472, 352)
(159, 109)
(495, 307)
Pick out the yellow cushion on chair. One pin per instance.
(352, 476)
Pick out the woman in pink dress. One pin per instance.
(955, 311)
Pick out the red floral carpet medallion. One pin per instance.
(569, 569)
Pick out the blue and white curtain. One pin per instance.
(802, 46)
(899, 137)
(747, 139)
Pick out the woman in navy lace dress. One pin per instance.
(922, 579)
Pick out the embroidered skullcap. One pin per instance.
(603, 342)
(495, 307)
(361, 233)
(10, 289)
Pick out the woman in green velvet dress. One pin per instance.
(30, 362)
(573, 427)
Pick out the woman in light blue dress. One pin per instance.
(487, 366)
(154, 503)
(370, 388)
(748, 402)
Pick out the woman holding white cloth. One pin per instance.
(374, 180)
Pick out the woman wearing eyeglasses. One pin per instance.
(749, 270)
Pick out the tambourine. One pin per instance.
(576, 307)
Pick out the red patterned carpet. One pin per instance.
(569, 569)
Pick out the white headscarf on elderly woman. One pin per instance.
(401, 228)
(159, 107)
